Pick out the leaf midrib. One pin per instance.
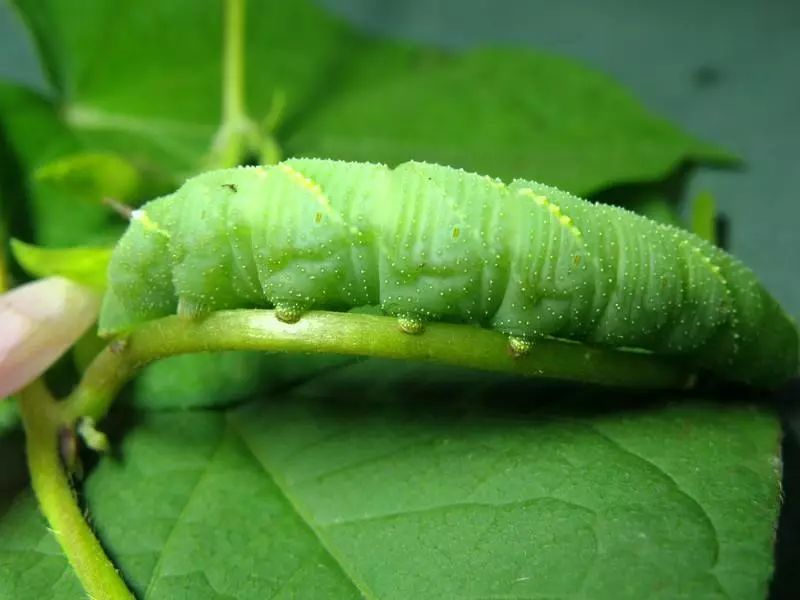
(154, 574)
(304, 515)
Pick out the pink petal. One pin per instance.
(39, 321)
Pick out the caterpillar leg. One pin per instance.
(191, 309)
(289, 312)
(519, 346)
(410, 324)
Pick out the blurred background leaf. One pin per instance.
(82, 265)
(92, 176)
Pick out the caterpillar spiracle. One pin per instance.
(426, 242)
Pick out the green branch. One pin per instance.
(43, 422)
(361, 335)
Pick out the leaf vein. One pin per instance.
(360, 585)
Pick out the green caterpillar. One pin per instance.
(426, 242)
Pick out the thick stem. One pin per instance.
(363, 335)
(43, 422)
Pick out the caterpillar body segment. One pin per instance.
(427, 243)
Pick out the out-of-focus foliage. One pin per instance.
(82, 265)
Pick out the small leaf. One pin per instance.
(92, 176)
(87, 266)
(40, 321)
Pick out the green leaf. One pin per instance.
(82, 265)
(396, 481)
(35, 131)
(506, 113)
(31, 563)
(197, 380)
(93, 176)
(124, 86)
(222, 378)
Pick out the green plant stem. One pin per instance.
(364, 335)
(239, 138)
(43, 420)
(233, 108)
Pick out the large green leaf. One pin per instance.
(508, 113)
(385, 481)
